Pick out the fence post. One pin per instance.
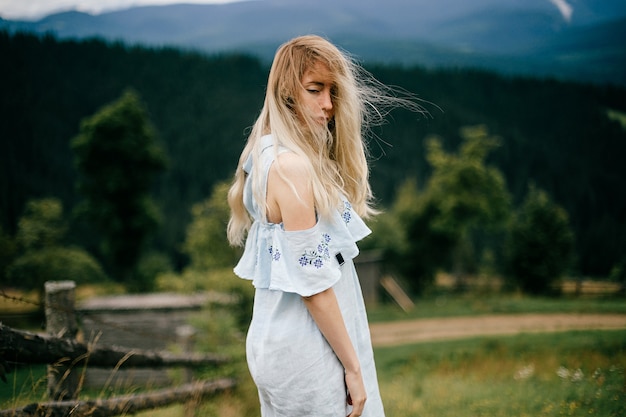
(61, 322)
(185, 336)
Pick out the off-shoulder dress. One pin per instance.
(293, 366)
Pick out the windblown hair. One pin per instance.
(336, 154)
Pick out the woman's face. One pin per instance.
(317, 91)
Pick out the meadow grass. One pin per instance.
(24, 385)
(579, 373)
(560, 374)
(447, 304)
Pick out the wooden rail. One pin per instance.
(25, 347)
(123, 405)
(67, 357)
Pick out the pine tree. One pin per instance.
(118, 158)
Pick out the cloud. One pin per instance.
(565, 8)
(36, 9)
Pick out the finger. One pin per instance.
(357, 409)
(356, 413)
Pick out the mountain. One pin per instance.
(531, 37)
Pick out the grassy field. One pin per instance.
(459, 305)
(565, 374)
(562, 374)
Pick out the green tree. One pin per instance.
(41, 225)
(388, 227)
(463, 199)
(559, 151)
(43, 257)
(540, 244)
(119, 158)
(206, 242)
(466, 197)
(34, 268)
(211, 257)
(410, 247)
(151, 265)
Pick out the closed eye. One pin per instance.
(314, 87)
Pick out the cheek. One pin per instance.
(308, 104)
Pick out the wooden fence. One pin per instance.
(67, 358)
(154, 321)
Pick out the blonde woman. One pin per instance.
(300, 192)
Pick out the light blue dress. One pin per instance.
(295, 369)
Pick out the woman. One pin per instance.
(300, 192)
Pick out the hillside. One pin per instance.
(558, 135)
(511, 37)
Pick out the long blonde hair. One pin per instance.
(337, 153)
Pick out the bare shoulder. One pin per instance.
(289, 193)
(291, 164)
(290, 168)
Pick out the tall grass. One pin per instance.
(538, 375)
(561, 374)
(564, 374)
(24, 385)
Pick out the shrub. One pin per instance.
(35, 267)
(540, 244)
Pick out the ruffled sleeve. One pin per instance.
(305, 262)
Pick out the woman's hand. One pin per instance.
(356, 393)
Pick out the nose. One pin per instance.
(326, 101)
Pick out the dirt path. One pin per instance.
(422, 330)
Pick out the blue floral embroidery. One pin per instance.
(274, 253)
(318, 256)
(347, 212)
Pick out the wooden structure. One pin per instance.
(67, 358)
(61, 322)
(141, 321)
(368, 267)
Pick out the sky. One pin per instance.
(564, 7)
(36, 9)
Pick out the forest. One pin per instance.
(566, 138)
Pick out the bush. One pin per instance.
(35, 267)
(540, 244)
(149, 267)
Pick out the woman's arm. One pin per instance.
(293, 205)
(325, 311)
